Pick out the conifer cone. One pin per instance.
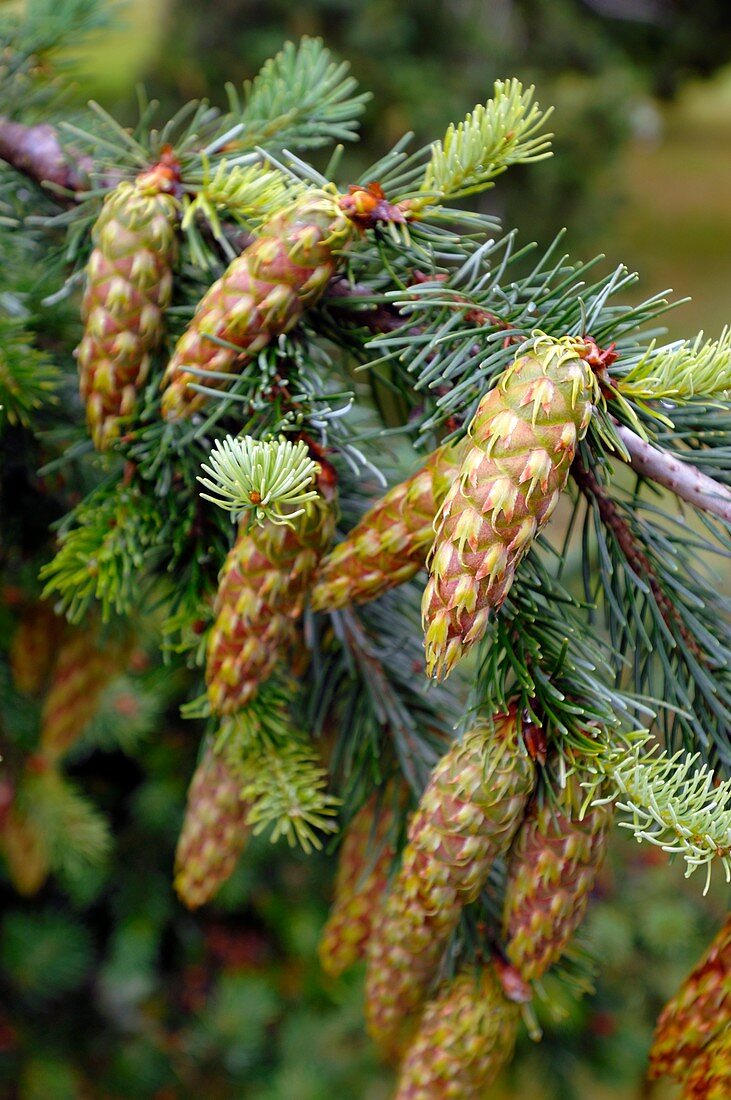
(129, 286)
(85, 667)
(710, 1075)
(523, 440)
(263, 293)
(214, 831)
(33, 647)
(366, 857)
(552, 868)
(261, 595)
(25, 852)
(391, 542)
(467, 817)
(465, 1037)
(698, 1012)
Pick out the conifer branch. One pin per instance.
(674, 801)
(685, 480)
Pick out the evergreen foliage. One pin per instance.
(359, 315)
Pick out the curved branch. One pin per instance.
(37, 152)
(682, 478)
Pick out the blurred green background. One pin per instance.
(112, 990)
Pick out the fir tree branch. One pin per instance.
(37, 152)
(686, 481)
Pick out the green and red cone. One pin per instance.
(697, 1014)
(465, 1037)
(523, 439)
(709, 1077)
(214, 831)
(552, 868)
(391, 542)
(129, 283)
(366, 858)
(265, 291)
(261, 595)
(85, 666)
(466, 819)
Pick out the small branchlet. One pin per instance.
(675, 802)
(495, 135)
(681, 371)
(270, 480)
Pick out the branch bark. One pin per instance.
(682, 478)
(37, 152)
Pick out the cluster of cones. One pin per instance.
(484, 801)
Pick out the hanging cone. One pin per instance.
(33, 647)
(266, 289)
(698, 1012)
(366, 857)
(391, 542)
(466, 819)
(25, 852)
(523, 440)
(82, 673)
(129, 286)
(552, 868)
(710, 1075)
(261, 594)
(214, 831)
(465, 1037)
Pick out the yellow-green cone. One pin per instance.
(523, 440)
(214, 831)
(365, 861)
(261, 595)
(698, 1012)
(710, 1075)
(85, 666)
(465, 1037)
(391, 542)
(129, 284)
(466, 819)
(552, 868)
(263, 293)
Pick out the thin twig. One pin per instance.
(682, 478)
(633, 550)
(37, 152)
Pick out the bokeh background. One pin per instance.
(109, 989)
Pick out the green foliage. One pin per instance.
(104, 546)
(301, 98)
(268, 480)
(74, 833)
(46, 954)
(28, 379)
(675, 802)
(502, 132)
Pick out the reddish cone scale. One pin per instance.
(466, 819)
(697, 1013)
(261, 595)
(85, 667)
(214, 831)
(552, 868)
(523, 440)
(391, 542)
(465, 1037)
(129, 284)
(265, 291)
(365, 861)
